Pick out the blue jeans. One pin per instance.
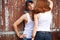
(27, 39)
(40, 35)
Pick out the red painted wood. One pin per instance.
(16, 9)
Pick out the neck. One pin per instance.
(30, 12)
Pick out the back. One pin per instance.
(44, 21)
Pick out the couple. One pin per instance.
(37, 24)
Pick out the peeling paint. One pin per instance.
(13, 11)
(1, 21)
(0, 13)
(9, 33)
(6, 18)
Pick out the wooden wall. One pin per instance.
(13, 9)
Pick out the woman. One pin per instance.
(27, 17)
(42, 21)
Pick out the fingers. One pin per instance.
(32, 38)
(23, 36)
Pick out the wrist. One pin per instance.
(18, 35)
(33, 36)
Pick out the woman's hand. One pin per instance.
(51, 4)
(49, 0)
(23, 36)
(32, 38)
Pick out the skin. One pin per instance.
(22, 18)
(36, 16)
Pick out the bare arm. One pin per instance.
(17, 23)
(51, 4)
(35, 25)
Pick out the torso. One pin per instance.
(28, 26)
(44, 21)
(26, 19)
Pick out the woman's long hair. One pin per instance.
(41, 6)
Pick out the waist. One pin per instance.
(27, 31)
(28, 34)
(43, 29)
(43, 32)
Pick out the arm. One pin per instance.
(35, 26)
(17, 23)
(51, 4)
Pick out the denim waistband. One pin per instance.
(44, 31)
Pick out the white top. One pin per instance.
(44, 22)
(28, 27)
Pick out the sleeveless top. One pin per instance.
(44, 21)
(28, 27)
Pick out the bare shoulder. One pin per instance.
(35, 15)
(23, 16)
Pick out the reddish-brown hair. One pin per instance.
(41, 6)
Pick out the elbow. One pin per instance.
(35, 27)
(14, 25)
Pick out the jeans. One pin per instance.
(41, 35)
(27, 39)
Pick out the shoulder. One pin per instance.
(36, 15)
(23, 16)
